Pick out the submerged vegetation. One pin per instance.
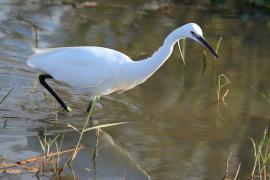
(261, 159)
(57, 159)
(261, 156)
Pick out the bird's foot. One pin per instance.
(68, 109)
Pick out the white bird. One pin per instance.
(100, 71)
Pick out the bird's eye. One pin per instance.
(195, 34)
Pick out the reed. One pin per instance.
(83, 131)
(222, 83)
(261, 156)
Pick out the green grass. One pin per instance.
(5, 96)
(262, 94)
(86, 129)
(261, 159)
(261, 156)
(218, 45)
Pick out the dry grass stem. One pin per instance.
(237, 172)
(32, 164)
(182, 50)
(223, 81)
(43, 157)
(227, 167)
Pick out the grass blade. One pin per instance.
(105, 125)
(218, 44)
(4, 98)
(182, 52)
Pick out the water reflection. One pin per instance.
(111, 162)
(178, 133)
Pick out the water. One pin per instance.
(180, 130)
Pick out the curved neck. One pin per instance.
(149, 66)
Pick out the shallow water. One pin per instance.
(180, 132)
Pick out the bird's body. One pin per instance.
(101, 71)
(96, 70)
(90, 68)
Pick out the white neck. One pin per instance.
(145, 68)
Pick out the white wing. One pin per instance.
(81, 67)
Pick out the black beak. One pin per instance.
(205, 43)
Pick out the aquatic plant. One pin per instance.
(262, 94)
(225, 177)
(222, 83)
(85, 129)
(5, 96)
(51, 158)
(261, 156)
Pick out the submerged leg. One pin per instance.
(42, 78)
(89, 106)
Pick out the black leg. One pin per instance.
(42, 78)
(89, 106)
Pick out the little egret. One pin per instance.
(100, 71)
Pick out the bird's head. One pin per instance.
(194, 32)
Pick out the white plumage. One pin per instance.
(101, 70)
(83, 67)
